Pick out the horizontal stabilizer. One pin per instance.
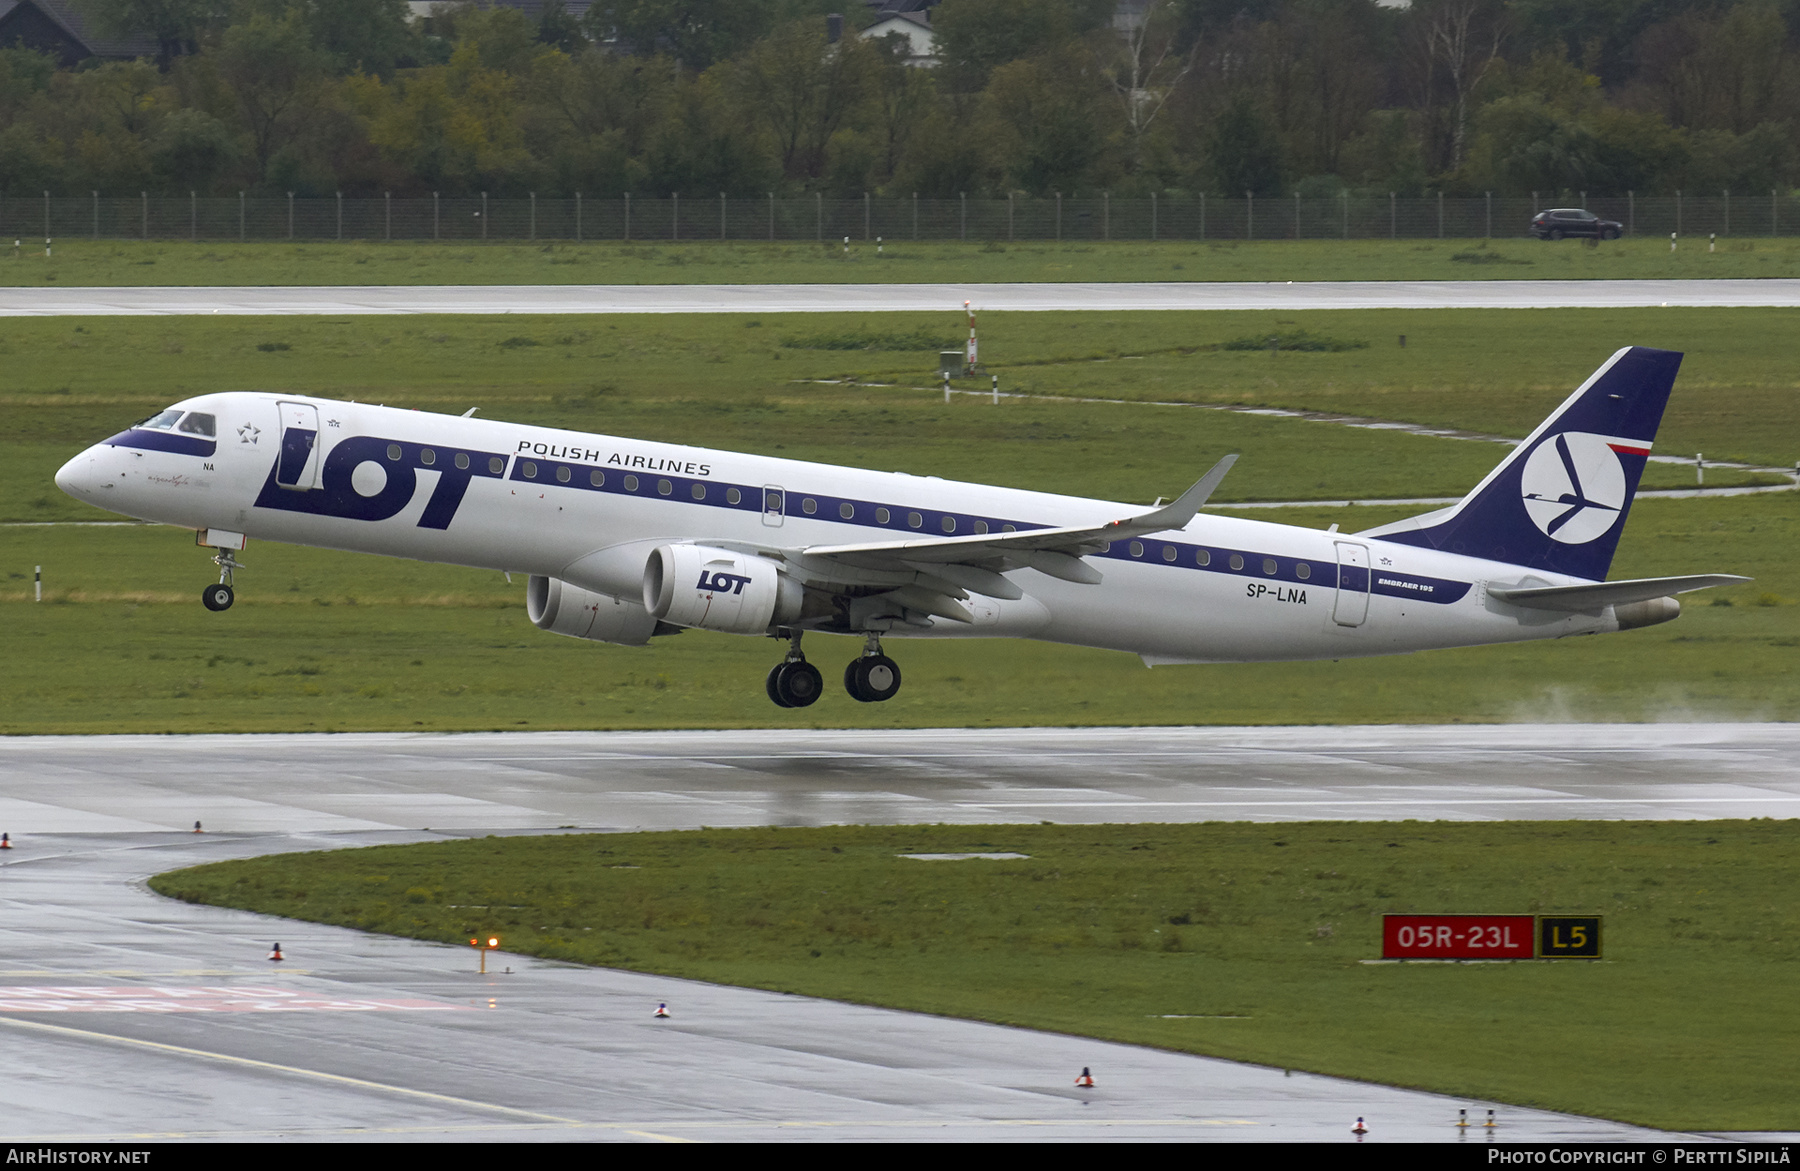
(1609, 593)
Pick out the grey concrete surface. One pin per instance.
(657, 780)
(367, 1038)
(386, 299)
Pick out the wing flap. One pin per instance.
(1592, 596)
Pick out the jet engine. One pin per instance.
(560, 608)
(716, 589)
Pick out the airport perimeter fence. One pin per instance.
(682, 218)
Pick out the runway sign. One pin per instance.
(1569, 937)
(162, 999)
(1456, 937)
(1490, 937)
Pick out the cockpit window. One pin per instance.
(162, 422)
(197, 423)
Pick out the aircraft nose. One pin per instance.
(77, 477)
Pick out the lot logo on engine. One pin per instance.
(722, 582)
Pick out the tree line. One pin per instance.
(747, 97)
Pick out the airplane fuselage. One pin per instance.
(590, 509)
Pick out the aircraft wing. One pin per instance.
(1609, 593)
(938, 572)
(1071, 541)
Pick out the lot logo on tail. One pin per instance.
(1574, 487)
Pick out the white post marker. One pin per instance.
(996, 379)
(1712, 242)
(946, 374)
(37, 584)
(969, 357)
(1671, 241)
(1699, 467)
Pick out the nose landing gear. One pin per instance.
(873, 677)
(794, 682)
(219, 597)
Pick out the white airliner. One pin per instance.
(624, 540)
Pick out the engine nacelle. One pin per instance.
(716, 589)
(560, 608)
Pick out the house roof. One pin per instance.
(57, 26)
(921, 19)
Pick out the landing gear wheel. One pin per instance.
(217, 597)
(872, 678)
(774, 685)
(796, 684)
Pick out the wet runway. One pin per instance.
(664, 780)
(125, 1015)
(828, 298)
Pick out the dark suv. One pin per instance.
(1572, 221)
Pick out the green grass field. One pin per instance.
(335, 641)
(1240, 941)
(75, 261)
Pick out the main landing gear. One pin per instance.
(219, 597)
(871, 678)
(794, 682)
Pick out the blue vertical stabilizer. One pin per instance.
(1558, 502)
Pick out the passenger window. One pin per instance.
(1237, 562)
(698, 492)
(631, 483)
(597, 478)
(1008, 529)
(733, 496)
(462, 461)
(914, 519)
(562, 475)
(663, 487)
(1203, 557)
(197, 424)
(847, 510)
(393, 451)
(427, 456)
(1303, 571)
(949, 524)
(1269, 566)
(496, 465)
(1169, 553)
(809, 506)
(1137, 548)
(882, 516)
(529, 469)
(981, 526)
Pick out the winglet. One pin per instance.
(1177, 513)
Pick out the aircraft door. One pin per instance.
(297, 466)
(774, 505)
(1352, 604)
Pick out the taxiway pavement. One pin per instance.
(827, 298)
(126, 1016)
